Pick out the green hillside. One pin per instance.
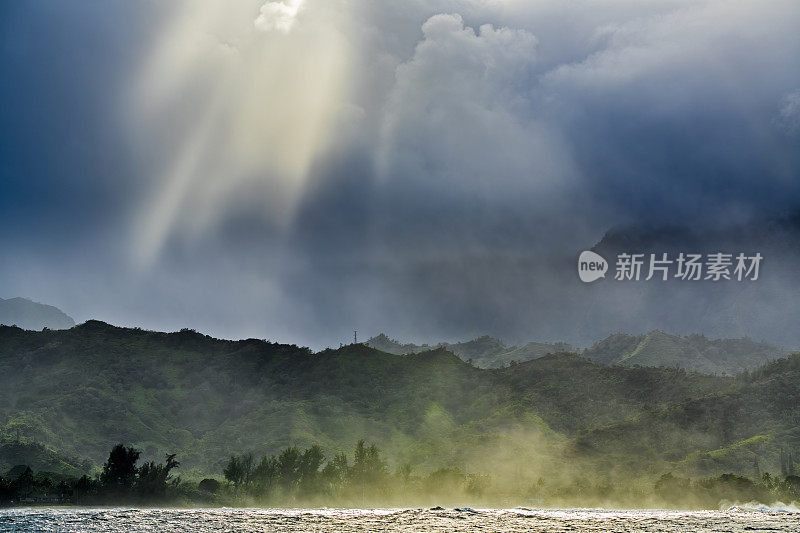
(69, 396)
(742, 428)
(82, 390)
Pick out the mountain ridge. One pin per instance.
(28, 314)
(484, 351)
(692, 352)
(655, 348)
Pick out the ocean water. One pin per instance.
(735, 519)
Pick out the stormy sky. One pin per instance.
(299, 169)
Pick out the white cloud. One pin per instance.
(686, 57)
(463, 119)
(278, 16)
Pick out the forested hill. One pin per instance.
(68, 396)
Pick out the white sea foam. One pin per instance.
(776, 507)
(736, 519)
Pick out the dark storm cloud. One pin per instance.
(471, 151)
(654, 124)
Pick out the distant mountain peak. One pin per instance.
(28, 314)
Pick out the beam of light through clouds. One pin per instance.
(269, 89)
(295, 169)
